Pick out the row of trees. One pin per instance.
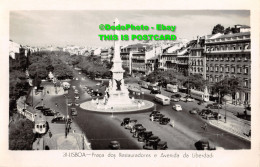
(41, 63)
(227, 86)
(220, 29)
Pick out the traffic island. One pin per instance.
(137, 105)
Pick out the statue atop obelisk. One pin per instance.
(118, 92)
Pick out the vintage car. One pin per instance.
(156, 117)
(60, 120)
(136, 127)
(144, 136)
(177, 107)
(114, 145)
(138, 132)
(164, 121)
(73, 112)
(154, 145)
(154, 113)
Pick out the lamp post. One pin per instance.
(218, 102)
(142, 97)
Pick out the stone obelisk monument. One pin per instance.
(118, 94)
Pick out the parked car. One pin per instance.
(177, 107)
(214, 106)
(114, 145)
(164, 121)
(60, 120)
(131, 124)
(76, 91)
(203, 144)
(138, 132)
(48, 112)
(150, 145)
(69, 103)
(73, 112)
(152, 139)
(144, 136)
(125, 121)
(136, 127)
(77, 103)
(77, 97)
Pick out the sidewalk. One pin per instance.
(57, 141)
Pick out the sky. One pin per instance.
(61, 28)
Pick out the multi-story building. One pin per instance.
(230, 56)
(168, 58)
(135, 56)
(151, 65)
(197, 59)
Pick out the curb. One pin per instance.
(245, 138)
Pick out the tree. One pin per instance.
(21, 135)
(218, 29)
(227, 86)
(227, 30)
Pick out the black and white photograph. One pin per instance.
(74, 86)
(123, 85)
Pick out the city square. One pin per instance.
(183, 95)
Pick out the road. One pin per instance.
(101, 128)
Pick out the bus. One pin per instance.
(172, 88)
(199, 95)
(164, 100)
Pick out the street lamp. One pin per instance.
(142, 97)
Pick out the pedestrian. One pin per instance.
(152, 118)
(50, 134)
(205, 126)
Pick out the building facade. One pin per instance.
(230, 56)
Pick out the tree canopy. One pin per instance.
(218, 29)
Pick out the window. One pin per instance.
(227, 69)
(207, 58)
(233, 58)
(246, 83)
(207, 68)
(216, 79)
(212, 58)
(211, 68)
(216, 68)
(221, 69)
(210, 79)
(239, 69)
(207, 78)
(246, 70)
(221, 58)
(216, 58)
(233, 69)
(227, 58)
(238, 58)
(245, 58)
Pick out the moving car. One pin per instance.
(189, 99)
(156, 117)
(164, 121)
(114, 145)
(125, 121)
(76, 96)
(48, 112)
(154, 113)
(69, 102)
(177, 107)
(183, 99)
(194, 111)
